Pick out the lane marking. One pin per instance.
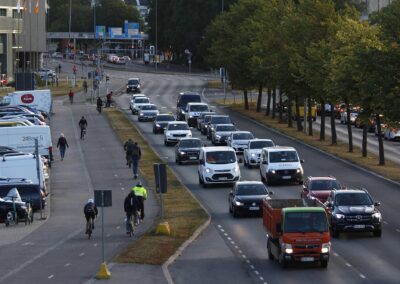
(252, 266)
(82, 254)
(335, 254)
(51, 276)
(256, 272)
(122, 188)
(348, 264)
(248, 261)
(362, 276)
(95, 244)
(232, 242)
(219, 226)
(261, 278)
(236, 247)
(225, 234)
(229, 238)
(222, 230)
(240, 251)
(244, 256)
(386, 223)
(67, 264)
(397, 230)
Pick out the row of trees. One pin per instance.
(319, 49)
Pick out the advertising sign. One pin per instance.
(131, 30)
(115, 33)
(100, 31)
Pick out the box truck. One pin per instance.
(37, 99)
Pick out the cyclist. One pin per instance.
(71, 96)
(131, 207)
(83, 124)
(141, 194)
(99, 104)
(90, 211)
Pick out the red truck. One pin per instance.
(297, 230)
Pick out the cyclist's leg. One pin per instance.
(87, 224)
(128, 220)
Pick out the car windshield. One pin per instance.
(148, 107)
(300, 222)
(251, 189)
(324, 185)
(190, 143)
(199, 108)
(242, 136)
(133, 82)
(207, 118)
(220, 120)
(225, 128)
(221, 157)
(178, 126)
(165, 118)
(202, 115)
(353, 199)
(185, 99)
(283, 156)
(261, 144)
(141, 101)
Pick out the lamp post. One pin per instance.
(189, 58)
(156, 53)
(69, 25)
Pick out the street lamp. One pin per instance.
(156, 35)
(189, 58)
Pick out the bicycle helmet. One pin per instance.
(90, 200)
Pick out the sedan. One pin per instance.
(147, 112)
(319, 187)
(188, 149)
(137, 104)
(175, 131)
(239, 140)
(247, 197)
(161, 122)
(221, 132)
(253, 152)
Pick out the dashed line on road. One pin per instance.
(348, 264)
(335, 254)
(256, 272)
(225, 234)
(118, 227)
(95, 244)
(67, 264)
(122, 188)
(82, 254)
(239, 251)
(386, 223)
(229, 238)
(398, 230)
(244, 256)
(248, 261)
(252, 266)
(362, 276)
(50, 276)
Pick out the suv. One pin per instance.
(193, 111)
(319, 187)
(221, 132)
(188, 149)
(200, 119)
(252, 154)
(218, 165)
(204, 123)
(138, 103)
(161, 122)
(280, 164)
(217, 119)
(239, 140)
(353, 210)
(183, 99)
(133, 85)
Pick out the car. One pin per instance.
(13, 203)
(57, 55)
(251, 154)
(183, 99)
(247, 197)
(175, 131)
(353, 210)
(193, 111)
(353, 115)
(43, 73)
(239, 140)
(319, 187)
(280, 164)
(133, 85)
(218, 165)
(147, 112)
(131, 101)
(204, 123)
(217, 119)
(392, 134)
(161, 122)
(138, 103)
(188, 149)
(200, 119)
(221, 132)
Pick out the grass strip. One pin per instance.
(371, 162)
(183, 213)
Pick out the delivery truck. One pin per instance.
(297, 231)
(40, 100)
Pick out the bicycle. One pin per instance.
(83, 132)
(130, 226)
(71, 99)
(89, 227)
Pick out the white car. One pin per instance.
(239, 140)
(353, 116)
(133, 99)
(43, 73)
(148, 112)
(251, 155)
(392, 134)
(137, 104)
(193, 111)
(175, 131)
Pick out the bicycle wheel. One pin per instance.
(131, 228)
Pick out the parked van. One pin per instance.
(10, 123)
(280, 164)
(21, 138)
(20, 165)
(37, 99)
(218, 165)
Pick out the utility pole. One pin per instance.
(70, 19)
(156, 53)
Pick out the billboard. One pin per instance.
(115, 33)
(131, 30)
(100, 31)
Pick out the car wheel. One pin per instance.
(230, 207)
(270, 255)
(200, 180)
(324, 263)
(378, 233)
(166, 143)
(300, 182)
(235, 213)
(262, 178)
(133, 112)
(154, 131)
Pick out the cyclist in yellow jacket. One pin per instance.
(141, 195)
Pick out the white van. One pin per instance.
(21, 138)
(37, 99)
(280, 164)
(21, 165)
(218, 165)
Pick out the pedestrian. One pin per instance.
(59, 68)
(109, 95)
(99, 104)
(136, 155)
(128, 147)
(85, 86)
(71, 96)
(62, 144)
(141, 195)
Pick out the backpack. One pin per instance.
(135, 151)
(129, 147)
(89, 209)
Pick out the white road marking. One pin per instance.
(115, 175)
(122, 188)
(397, 230)
(82, 254)
(240, 251)
(362, 276)
(232, 242)
(229, 238)
(261, 278)
(386, 223)
(219, 226)
(118, 227)
(236, 247)
(51, 276)
(256, 272)
(27, 244)
(248, 261)
(225, 234)
(252, 266)
(222, 230)
(67, 264)
(348, 264)
(244, 256)
(95, 244)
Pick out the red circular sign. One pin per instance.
(27, 98)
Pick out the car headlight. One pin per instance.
(298, 170)
(169, 134)
(235, 169)
(205, 126)
(141, 114)
(218, 136)
(253, 154)
(339, 216)
(287, 248)
(189, 134)
(377, 215)
(326, 247)
(182, 153)
(209, 171)
(272, 171)
(138, 86)
(190, 116)
(182, 111)
(157, 125)
(238, 203)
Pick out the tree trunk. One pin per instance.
(349, 130)
(380, 141)
(289, 111)
(333, 126)
(274, 102)
(364, 139)
(259, 99)
(246, 100)
(268, 110)
(322, 129)
(310, 119)
(280, 106)
(298, 118)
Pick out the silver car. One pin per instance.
(239, 140)
(221, 133)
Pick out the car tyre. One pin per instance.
(230, 207)
(200, 180)
(378, 233)
(270, 255)
(324, 263)
(235, 213)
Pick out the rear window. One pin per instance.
(165, 118)
(178, 126)
(185, 99)
(261, 144)
(324, 185)
(251, 189)
(242, 136)
(141, 101)
(220, 120)
(148, 107)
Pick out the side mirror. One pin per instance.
(201, 161)
(302, 161)
(264, 162)
(204, 145)
(377, 203)
(278, 228)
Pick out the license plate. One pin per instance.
(254, 208)
(223, 178)
(307, 259)
(193, 158)
(359, 226)
(286, 177)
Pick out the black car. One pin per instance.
(161, 121)
(352, 210)
(7, 211)
(247, 197)
(133, 85)
(204, 123)
(188, 149)
(200, 119)
(183, 99)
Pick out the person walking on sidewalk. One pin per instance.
(99, 104)
(71, 96)
(131, 208)
(141, 195)
(109, 96)
(85, 86)
(128, 147)
(62, 144)
(136, 155)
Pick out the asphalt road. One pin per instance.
(231, 245)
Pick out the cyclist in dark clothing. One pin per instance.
(131, 207)
(128, 147)
(99, 104)
(90, 211)
(83, 124)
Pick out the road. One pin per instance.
(230, 246)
